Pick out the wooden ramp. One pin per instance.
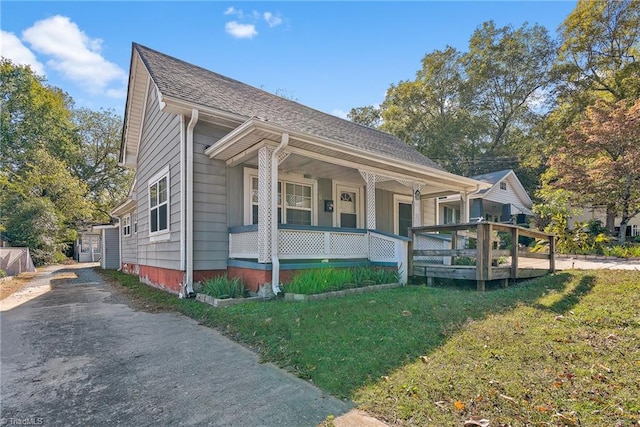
(483, 252)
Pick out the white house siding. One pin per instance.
(111, 255)
(384, 211)
(129, 248)
(505, 197)
(588, 214)
(159, 147)
(429, 211)
(235, 196)
(210, 231)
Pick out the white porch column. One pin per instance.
(464, 206)
(265, 216)
(417, 205)
(370, 180)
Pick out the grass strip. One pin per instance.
(557, 350)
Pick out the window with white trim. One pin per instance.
(503, 185)
(298, 202)
(159, 203)
(126, 225)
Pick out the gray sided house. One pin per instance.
(99, 242)
(233, 180)
(505, 200)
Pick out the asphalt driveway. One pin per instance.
(72, 353)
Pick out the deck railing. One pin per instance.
(481, 251)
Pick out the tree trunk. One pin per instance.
(622, 236)
(610, 220)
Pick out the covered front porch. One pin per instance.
(298, 201)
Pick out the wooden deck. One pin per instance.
(483, 252)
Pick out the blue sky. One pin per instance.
(331, 56)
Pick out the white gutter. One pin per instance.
(275, 261)
(189, 194)
(183, 192)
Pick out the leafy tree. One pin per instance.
(58, 169)
(97, 160)
(600, 159)
(474, 112)
(429, 112)
(33, 117)
(366, 116)
(599, 49)
(43, 205)
(509, 72)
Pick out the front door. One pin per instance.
(347, 212)
(403, 215)
(404, 218)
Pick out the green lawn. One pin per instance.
(558, 350)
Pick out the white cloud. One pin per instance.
(245, 24)
(338, 112)
(241, 31)
(75, 55)
(12, 48)
(233, 11)
(272, 20)
(116, 93)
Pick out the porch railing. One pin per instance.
(318, 243)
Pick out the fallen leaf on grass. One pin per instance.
(476, 422)
(406, 313)
(459, 405)
(509, 398)
(424, 359)
(566, 420)
(558, 317)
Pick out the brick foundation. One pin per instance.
(202, 275)
(164, 278)
(251, 278)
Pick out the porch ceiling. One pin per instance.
(324, 159)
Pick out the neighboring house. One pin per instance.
(234, 180)
(14, 261)
(110, 245)
(505, 200)
(600, 213)
(88, 246)
(99, 242)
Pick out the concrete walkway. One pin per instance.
(72, 354)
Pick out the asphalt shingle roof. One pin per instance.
(492, 177)
(181, 80)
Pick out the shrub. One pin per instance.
(222, 287)
(2, 273)
(331, 279)
(623, 251)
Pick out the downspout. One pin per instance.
(120, 242)
(275, 261)
(183, 192)
(189, 255)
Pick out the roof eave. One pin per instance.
(253, 124)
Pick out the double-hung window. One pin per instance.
(295, 207)
(159, 203)
(298, 203)
(126, 225)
